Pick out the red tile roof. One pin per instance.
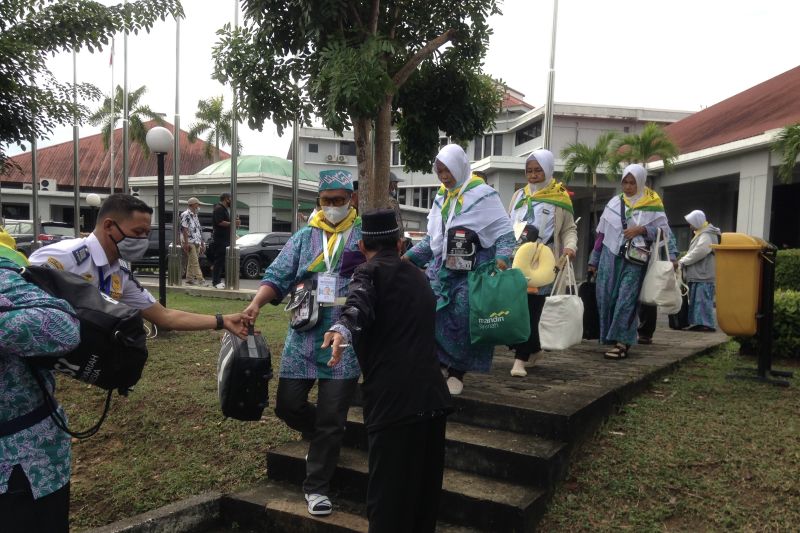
(768, 105)
(512, 101)
(55, 162)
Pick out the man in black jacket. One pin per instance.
(389, 317)
(222, 238)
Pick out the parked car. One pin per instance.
(258, 250)
(150, 258)
(51, 231)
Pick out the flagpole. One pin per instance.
(176, 254)
(113, 120)
(75, 141)
(232, 266)
(125, 110)
(551, 82)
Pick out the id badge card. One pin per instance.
(326, 288)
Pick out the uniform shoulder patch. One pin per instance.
(81, 254)
(54, 263)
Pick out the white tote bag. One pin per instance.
(660, 286)
(561, 323)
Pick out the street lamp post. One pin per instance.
(159, 140)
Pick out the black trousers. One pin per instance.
(648, 314)
(323, 424)
(406, 465)
(218, 267)
(523, 351)
(20, 513)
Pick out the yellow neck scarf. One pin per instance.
(457, 194)
(335, 243)
(649, 201)
(554, 193)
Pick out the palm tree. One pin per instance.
(138, 114)
(788, 144)
(653, 141)
(590, 158)
(212, 118)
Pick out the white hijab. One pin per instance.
(547, 161)
(482, 211)
(640, 175)
(696, 219)
(455, 159)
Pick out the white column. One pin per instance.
(260, 202)
(755, 196)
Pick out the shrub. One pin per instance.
(787, 270)
(786, 327)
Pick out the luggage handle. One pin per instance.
(252, 350)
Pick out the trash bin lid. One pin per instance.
(739, 241)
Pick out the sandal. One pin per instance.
(619, 351)
(319, 504)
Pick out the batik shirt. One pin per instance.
(190, 221)
(46, 327)
(302, 356)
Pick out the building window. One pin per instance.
(313, 148)
(401, 196)
(528, 133)
(476, 149)
(397, 157)
(443, 141)
(498, 145)
(487, 145)
(626, 129)
(347, 148)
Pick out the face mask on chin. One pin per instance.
(335, 214)
(130, 248)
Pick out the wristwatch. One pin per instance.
(220, 323)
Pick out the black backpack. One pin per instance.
(113, 350)
(243, 374)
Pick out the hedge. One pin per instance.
(786, 328)
(787, 270)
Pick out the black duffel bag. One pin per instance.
(587, 292)
(243, 373)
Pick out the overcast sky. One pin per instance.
(682, 54)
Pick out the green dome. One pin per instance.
(256, 164)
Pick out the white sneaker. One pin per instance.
(220, 285)
(455, 385)
(518, 370)
(319, 504)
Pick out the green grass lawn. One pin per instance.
(168, 439)
(697, 452)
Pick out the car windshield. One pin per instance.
(250, 239)
(58, 230)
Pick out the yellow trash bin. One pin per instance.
(738, 264)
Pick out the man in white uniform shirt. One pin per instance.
(120, 235)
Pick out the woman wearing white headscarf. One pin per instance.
(545, 204)
(635, 215)
(699, 270)
(463, 201)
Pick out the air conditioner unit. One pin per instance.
(342, 159)
(134, 191)
(27, 187)
(44, 185)
(330, 158)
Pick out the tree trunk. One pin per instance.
(378, 196)
(362, 134)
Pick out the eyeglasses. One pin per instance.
(336, 201)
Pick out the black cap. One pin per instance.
(379, 223)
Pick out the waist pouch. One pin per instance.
(462, 249)
(303, 306)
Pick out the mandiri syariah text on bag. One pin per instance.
(498, 306)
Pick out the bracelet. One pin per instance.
(220, 323)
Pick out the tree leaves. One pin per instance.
(788, 145)
(32, 101)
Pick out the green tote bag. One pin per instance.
(498, 306)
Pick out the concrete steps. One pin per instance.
(516, 457)
(468, 499)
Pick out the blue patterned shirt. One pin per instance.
(302, 356)
(46, 327)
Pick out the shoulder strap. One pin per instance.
(622, 213)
